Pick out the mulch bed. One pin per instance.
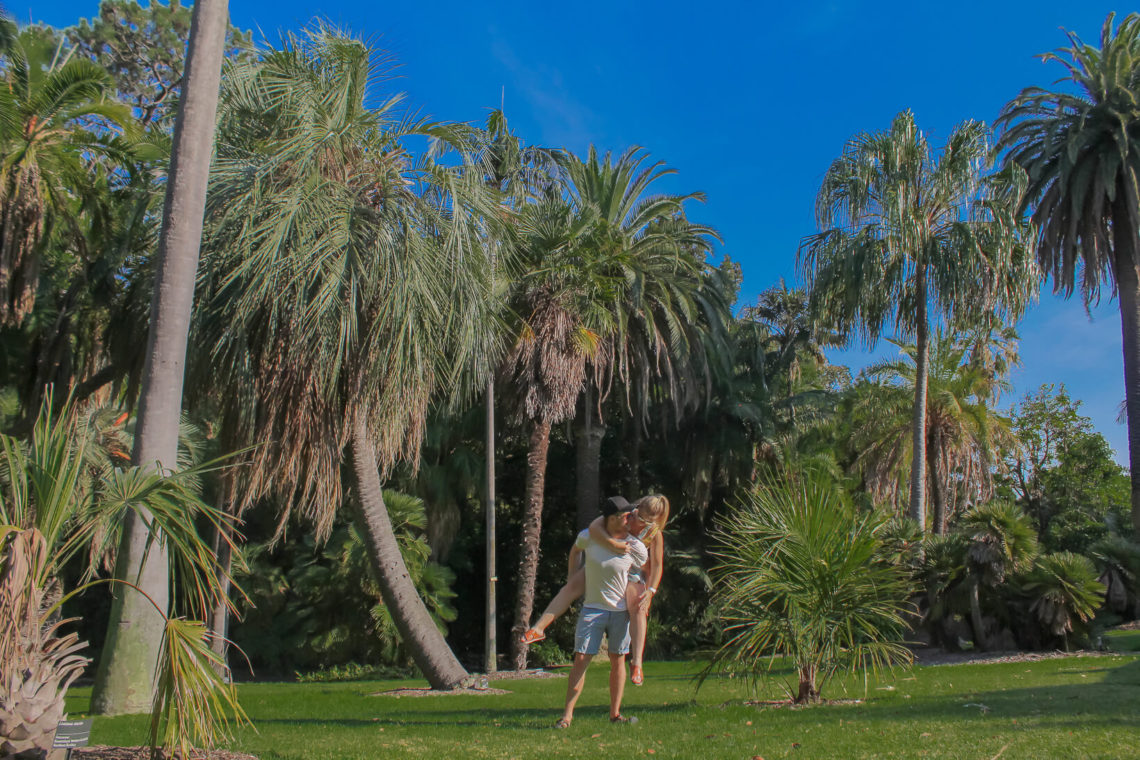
(505, 675)
(143, 753)
(938, 657)
(428, 692)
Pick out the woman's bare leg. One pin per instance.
(638, 622)
(574, 588)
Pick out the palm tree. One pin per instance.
(346, 289)
(49, 157)
(1001, 540)
(562, 330)
(642, 242)
(910, 235)
(963, 431)
(801, 578)
(1081, 151)
(134, 632)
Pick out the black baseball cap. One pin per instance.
(616, 504)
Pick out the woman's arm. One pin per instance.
(654, 568)
(598, 533)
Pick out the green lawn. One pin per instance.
(1082, 707)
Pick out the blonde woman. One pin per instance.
(647, 522)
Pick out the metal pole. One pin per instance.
(491, 663)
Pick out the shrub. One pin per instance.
(801, 577)
(1063, 594)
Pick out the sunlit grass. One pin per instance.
(1075, 707)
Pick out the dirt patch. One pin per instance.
(1133, 626)
(100, 752)
(791, 703)
(516, 675)
(938, 657)
(428, 692)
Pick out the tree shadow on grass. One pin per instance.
(525, 718)
(1107, 701)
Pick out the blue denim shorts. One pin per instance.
(593, 622)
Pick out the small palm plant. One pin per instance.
(60, 501)
(802, 576)
(1064, 593)
(1118, 560)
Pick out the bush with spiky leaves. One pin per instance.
(1118, 561)
(801, 576)
(59, 501)
(1063, 594)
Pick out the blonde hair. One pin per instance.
(653, 509)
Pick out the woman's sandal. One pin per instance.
(532, 635)
(636, 675)
(562, 723)
(619, 718)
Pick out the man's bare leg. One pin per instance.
(617, 683)
(575, 684)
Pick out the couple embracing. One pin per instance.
(616, 565)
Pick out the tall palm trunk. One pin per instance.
(937, 481)
(918, 422)
(588, 456)
(418, 631)
(1126, 250)
(125, 679)
(531, 533)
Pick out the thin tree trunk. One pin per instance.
(977, 624)
(1126, 249)
(635, 458)
(418, 631)
(808, 692)
(491, 647)
(531, 533)
(918, 422)
(125, 678)
(220, 614)
(937, 483)
(588, 456)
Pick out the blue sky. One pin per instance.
(749, 102)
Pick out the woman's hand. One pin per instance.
(616, 546)
(646, 599)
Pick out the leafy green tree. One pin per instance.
(1080, 147)
(1063, 474)
(328, 592)
(143, 48)
(910, 235)
(800, 576)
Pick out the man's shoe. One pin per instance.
(636, 675)
(532, 635)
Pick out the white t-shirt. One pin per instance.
(607, 573)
